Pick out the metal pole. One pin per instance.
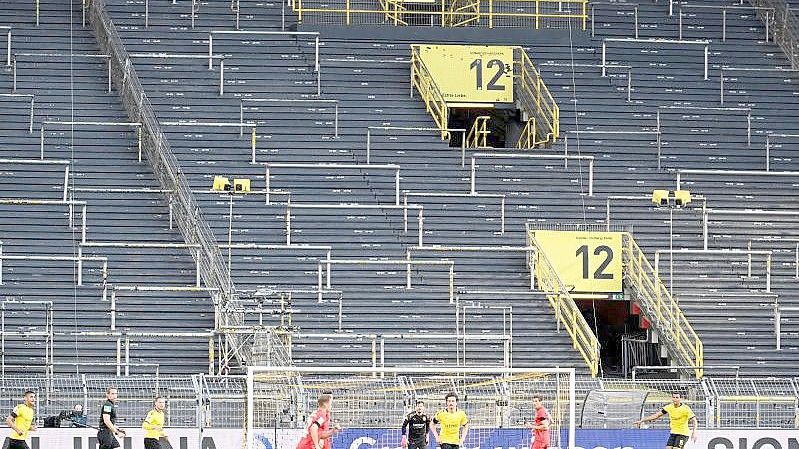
(671, 8)
(592, 20)
(30, 126)
(41, 142)
(724, 25)
(288, 228)
(604, 51)
(749, 129)
(230, 235)
(768, 273)
(707, 49)
(473, 173)
(768, 150)
(146, 13)
(397, 187)
(368, 145)
(210, 51)
(335, 123)
(721, 87)
(266, 180)
(636, 22)
(316, 54)
(630, 83)
(679, 21)
(8, 49)
(795, 262)
(238, 9)
(767, 25)
(421, 227)
(221, 77)
(109, 75)
(590, 177)
(408, 271)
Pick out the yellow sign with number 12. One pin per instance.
(588, 261)
(471, 73)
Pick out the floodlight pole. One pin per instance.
(230, 234)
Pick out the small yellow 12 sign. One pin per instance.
(471, 73)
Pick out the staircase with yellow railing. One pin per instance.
(567, 314)
(477, 137)
(681, 342)
(661, 309)
(540, 113)
(423, 81)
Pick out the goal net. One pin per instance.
(370, 403)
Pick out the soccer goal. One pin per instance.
(371, 403)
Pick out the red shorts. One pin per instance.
(540, 445)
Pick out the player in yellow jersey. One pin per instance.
(679, 417)
(153, 425)
(20, 420)
(451, 421)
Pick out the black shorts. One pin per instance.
(421, 444)
(676, 440)
(16, 444)
(106, 440)
(449, 446)
(152, 443)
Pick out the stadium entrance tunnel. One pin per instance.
(503, 126)
(621, 334)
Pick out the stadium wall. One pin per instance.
(369, 439)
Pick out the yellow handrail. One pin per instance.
(392, 11)
(661, 308)
(452, 13)
(424, 83)
(535, 101)
(567, 313)
(478, 134)
(462, 12)
(527, 137)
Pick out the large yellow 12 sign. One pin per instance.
(588, 261)
(471, 73)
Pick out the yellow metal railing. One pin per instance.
(446, 13)
(393, 10)
(462, 13)
(424, 83)
(661, 309)
(535, 101)
(527, 137)
(478, 134)
(567, 313)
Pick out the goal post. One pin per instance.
(369, 403)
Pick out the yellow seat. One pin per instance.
(241, 185)
(221, 184)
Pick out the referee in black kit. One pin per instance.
(415, 428)
(108, 419)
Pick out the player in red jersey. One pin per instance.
(319, 429)
(540, 427)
